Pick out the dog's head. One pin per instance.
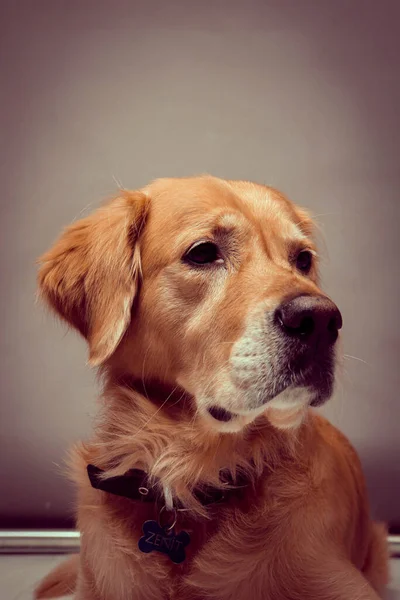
(204, 284)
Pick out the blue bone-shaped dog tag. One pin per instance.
(160, 539)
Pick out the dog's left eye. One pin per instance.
(203, 253)
(304, 261)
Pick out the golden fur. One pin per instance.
(162, 336)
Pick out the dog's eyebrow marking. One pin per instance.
(230, 221)
(301, 243)
(296, 240)
(227, 225)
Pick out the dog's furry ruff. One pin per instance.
(285, 519)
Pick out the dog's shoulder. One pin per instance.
(335, 442)
(337, 469)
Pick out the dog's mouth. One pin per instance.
(220, 414)
(316, 384)
(298, 381)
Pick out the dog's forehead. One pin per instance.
(180, 203)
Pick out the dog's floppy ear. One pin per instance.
(90, 276)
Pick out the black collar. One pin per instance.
(135, 485)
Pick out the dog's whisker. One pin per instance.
(155, 413)
(356, 358)
(316, 215)
(143, 371)
(118, 182)
(83, 210)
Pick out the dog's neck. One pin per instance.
(171, 398)
(155, 427)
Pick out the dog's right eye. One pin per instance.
(203, 253)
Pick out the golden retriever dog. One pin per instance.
(209, 475)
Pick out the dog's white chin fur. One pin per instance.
(286, 411)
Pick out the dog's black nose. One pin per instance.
(310, 318)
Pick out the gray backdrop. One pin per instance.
(300, 94)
